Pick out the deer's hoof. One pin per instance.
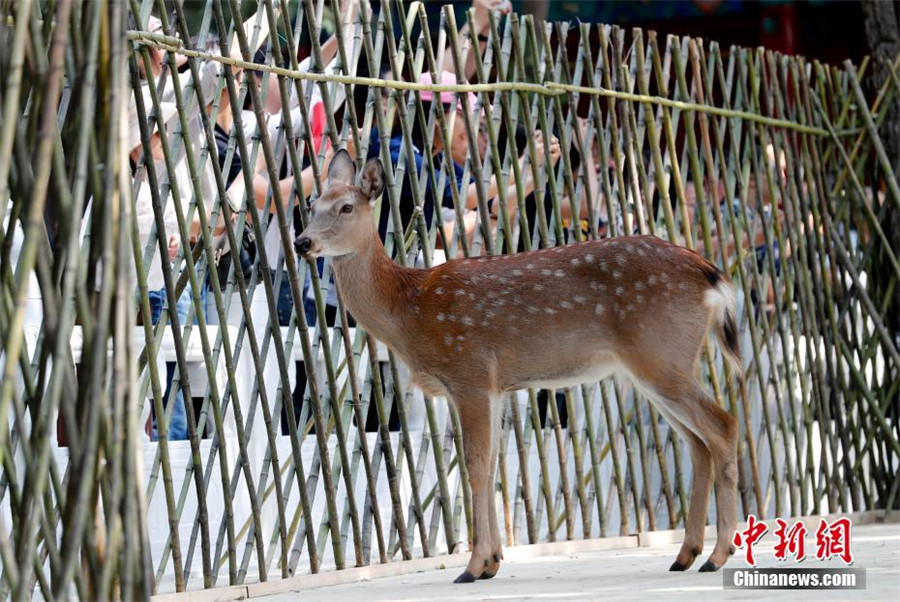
(487, 575)
(709, 567)
(677, 566)
(465, 577)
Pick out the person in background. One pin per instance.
(146, 224)
(455, 150)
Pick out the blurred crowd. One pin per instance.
(273, 139)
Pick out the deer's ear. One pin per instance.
(342, 169)
(372, 180)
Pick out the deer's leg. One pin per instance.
(701, 488)
(496, 545)
(712, 435)
(475, 414)
(725, 464)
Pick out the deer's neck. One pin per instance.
(377, 291)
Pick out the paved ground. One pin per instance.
(625, 574)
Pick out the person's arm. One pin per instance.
(482, 24)
(261, 183)
(511, 197)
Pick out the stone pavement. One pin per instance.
(635, 573)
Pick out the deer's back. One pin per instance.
(534, 317)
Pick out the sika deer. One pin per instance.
(474, 329)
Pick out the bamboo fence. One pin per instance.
(771, 166)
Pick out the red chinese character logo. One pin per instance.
(790, 540)
(755, 530)
(834, 540)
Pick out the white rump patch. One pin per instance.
(720, 299)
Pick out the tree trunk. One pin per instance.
(883, 35)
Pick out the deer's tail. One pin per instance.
(721, 299)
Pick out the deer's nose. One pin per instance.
(302, 245)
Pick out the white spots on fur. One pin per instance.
(620, 259)
(651, 280)
(517, 272)
(640, 251)
(629, 307)
(550, 311)
(416, 309)
(503, 280)
(532, 310)
(482, 260)
(529, 266)
(597, 286)
(566, 305)
(639, 298)
(603, 266)
(489, 314)
(589, 258)
(559, 249)
(452, 317)
(580, 299)
(638, 286)
(448, 339)
(575, 261)
(682, 286)
(459, 292)
(467, 321)
(538, 287)
(546, 272)
(620, 290)
(599, 309)
(471, 296)
(440, 317)
(617, 274)
(621, 314)
(559, 273)
(439, 290)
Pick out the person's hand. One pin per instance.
(555, 150)
(483, 9)
(174, 244)
(538, 148)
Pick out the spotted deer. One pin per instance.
(474, 329)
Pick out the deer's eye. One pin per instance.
(347, 208)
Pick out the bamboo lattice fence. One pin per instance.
(307, 449)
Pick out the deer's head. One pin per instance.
(340, 220)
